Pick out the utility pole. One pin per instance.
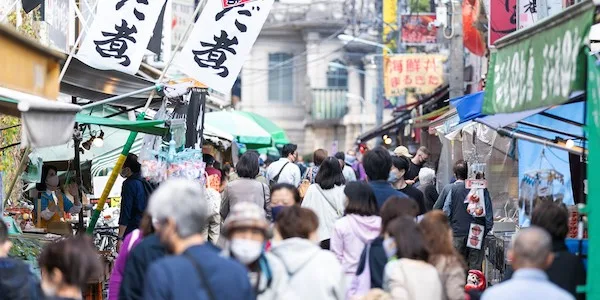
(380, 77)
(457, 52)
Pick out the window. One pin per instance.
(337, 75)
(281, 77)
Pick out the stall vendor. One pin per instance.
(51, 203)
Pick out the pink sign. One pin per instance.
(232, 3)
(503, 18)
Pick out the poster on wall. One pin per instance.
(415, 29)
(503, 19)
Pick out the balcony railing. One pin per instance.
(329, 104)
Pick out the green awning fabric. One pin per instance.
(276, 132)
(149, 127)
(541, 65)
(244, 129)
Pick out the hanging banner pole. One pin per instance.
(133, 135)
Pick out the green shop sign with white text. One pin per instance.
(539, 66)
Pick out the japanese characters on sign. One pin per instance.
(423, 72)
(232, 3)
(415, 31)
(503, 18)
(220, 41)
(528, 11)
(120, 33)
(541, 70)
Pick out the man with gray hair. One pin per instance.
(531, 254)
(197, 271)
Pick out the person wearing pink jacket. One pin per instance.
(360, 225)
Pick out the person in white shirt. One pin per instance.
(285, 169)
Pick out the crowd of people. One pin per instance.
(368, 228)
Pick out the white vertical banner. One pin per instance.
(120, 33)
(220, 42)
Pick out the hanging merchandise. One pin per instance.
(33, 171)
(537, 186)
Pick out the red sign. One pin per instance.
(232, 3)
(415, 31)
(503, 18)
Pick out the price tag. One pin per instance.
(476, 184)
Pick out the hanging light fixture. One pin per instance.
(99, 141)
(87, 145)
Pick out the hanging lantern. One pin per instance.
(474, 39)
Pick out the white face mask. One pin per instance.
(246, 251)
(52, 181)
(389, 246)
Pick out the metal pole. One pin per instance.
(22, 164)
(191, 120)
(203, 96)
(457, 63)
(77, 136)
(120, 97)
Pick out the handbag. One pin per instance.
(361, 283)
(305, 184)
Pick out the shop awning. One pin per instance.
(150, 127)
(503, 120)
(468, 106)
(87, 83)
(276, 132)
(244, 129)
(541, 65)
(402, 114)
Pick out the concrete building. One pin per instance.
(306, 80)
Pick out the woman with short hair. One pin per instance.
(283, 195)
(313, 273)
(247, 188)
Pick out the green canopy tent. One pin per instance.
(245, 130)
(277, 133)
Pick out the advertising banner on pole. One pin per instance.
(415, 29)
(120, 34)
(220, 42)
(423, 72)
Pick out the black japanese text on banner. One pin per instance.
(220, 42)
(120, 33)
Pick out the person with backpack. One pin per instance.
(134, 196)
(246, 231)
(285, 169)
(314, 273)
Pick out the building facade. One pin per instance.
(306, 80)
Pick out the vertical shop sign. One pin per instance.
(120, 34)
(528, 11)
(503, 18)
(220, 42)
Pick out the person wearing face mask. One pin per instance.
(67, 266)
(246, 230)
(410, 276)
(196, 270)
(283, 195)
(134, 196)
(51, 203)
(314, 273)
(397, 177)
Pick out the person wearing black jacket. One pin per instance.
(393, 208)
(567, 270)
(16, 280)
(138, 262)
(452, 201)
